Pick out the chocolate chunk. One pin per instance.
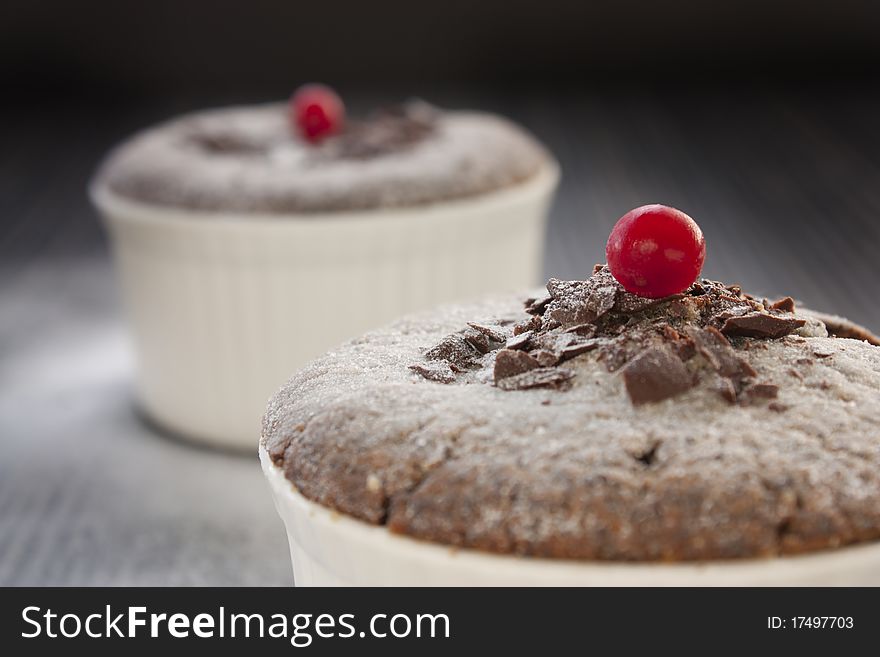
(778, 407)
(495, 334)
(656, 374)
(456, 351)
(714, 347)
(509, 362)
(544, 377)
(785, 304)
(761, 325)
(519, 341)
(436, 371)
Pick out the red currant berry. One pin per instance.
(655, 251)
(316, 112)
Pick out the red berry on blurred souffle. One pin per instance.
(316, 112)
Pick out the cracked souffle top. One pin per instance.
(590, 423)
(247, 159)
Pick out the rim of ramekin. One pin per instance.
(122, 208)
(644, 573)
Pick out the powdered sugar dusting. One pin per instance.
(246, 159)
(582, 473)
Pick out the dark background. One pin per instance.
(759, 119)
(263, 47)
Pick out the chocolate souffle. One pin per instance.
(245, 160)
(591, 423)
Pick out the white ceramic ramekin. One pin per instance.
(330, 549)
(224, 307)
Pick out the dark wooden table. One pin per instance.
(786, 185)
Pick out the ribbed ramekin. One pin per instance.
(330, 549)
(224, 307)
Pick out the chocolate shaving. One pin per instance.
(714, 347)
(761, 325)
(726, 389)
(552, 341)
(554, 347)
(509, 362)
(733, 311)
(456, 351)
(578, 348)
(531, 324)
(763, 391)
(437, 371)
(546, 358)
(519, 341)
(785, 304)
(478, 341)
(616, 354)
(581, 302)
(649, 339)
(227, 144)
(601, 299)
(654, 375)
(585, 330)
(544, 377)
(629, 303)
(389, 130)
(494, 334)
(569, 316)
(536, 306)
(682, 345)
